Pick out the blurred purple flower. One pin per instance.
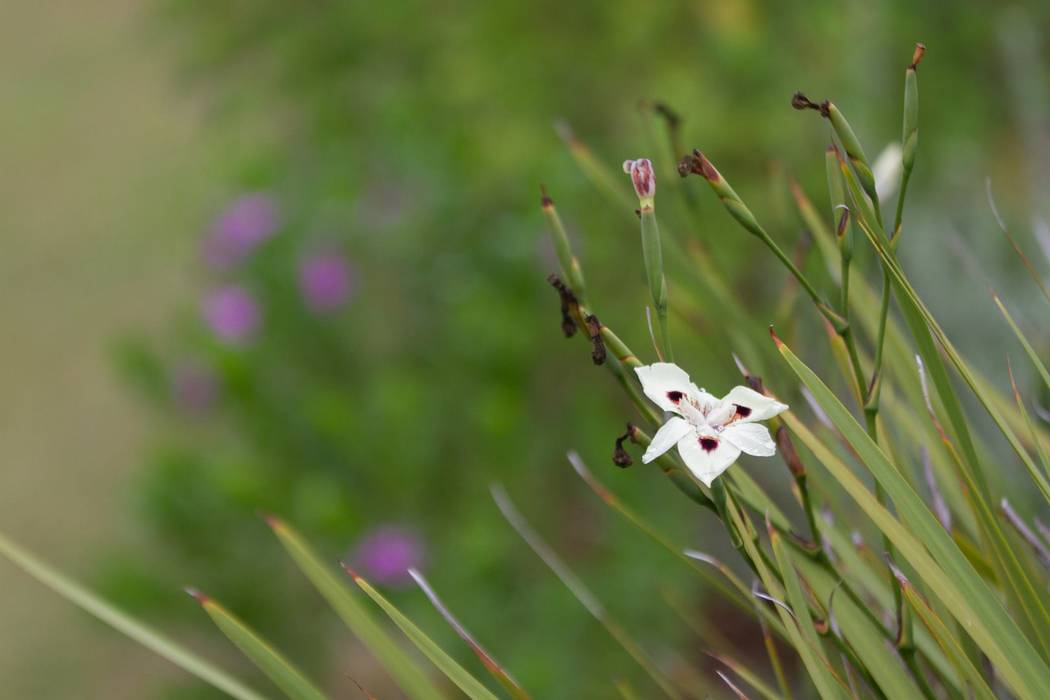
(232, 313)
(325, 281)
(386, 553)
(248, 221)
(194, 388)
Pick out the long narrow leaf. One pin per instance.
(580, 591)
(825, 680)
(126, 624)
(445, 663)
(961, 588)
(402, 668)
(944, 636)
(1029, 350)
(490, 663)
(270, 661)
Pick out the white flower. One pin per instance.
(710, 432)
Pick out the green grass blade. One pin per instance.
(1029, 350)
(583, 594)
(126, 624)
(1028, 422)
(797, 599)
(498, 672)
(947, 640)
(749, 676)
(961, 588)
(868, 639)
(401, 667)
(445, 663)
(819, 669)
(277, 668)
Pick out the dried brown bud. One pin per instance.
(840, 231)
(594, 332)
(920, 51)
(696, 163)
(669, 115)
(800, 101)
(642, 177)
(789, 454)
(755, 382)
(620, 456)
(569, 305)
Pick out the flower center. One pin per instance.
(742, 411)
(708, 444)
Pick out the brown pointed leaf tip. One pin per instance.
(546, 202)
(348, 569)
(272, 520)
(920, 51)
(197, 595)
(775, 337)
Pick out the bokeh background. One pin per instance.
(289, 257)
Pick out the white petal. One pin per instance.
(667, 437)
(751, 438)
(661, 379)
(887, 170)
(759, 407)
(707, 464)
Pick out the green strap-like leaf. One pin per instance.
(963, 591)
(860, 631)
(445, 663)
(1029, 350)
(948, 641)
(126, 624)
(402, 667)
(827, 684)
(270, 661)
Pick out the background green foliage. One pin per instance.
(416, 139)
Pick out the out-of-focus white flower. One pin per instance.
(887, 170)
(710, 432)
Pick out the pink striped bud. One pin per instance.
(642, 177)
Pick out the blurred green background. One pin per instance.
(388, 347)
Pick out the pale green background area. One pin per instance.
(101, 189)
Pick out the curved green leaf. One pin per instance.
(126, 624)
(402, 668)
(960, 587)
(270, 661)
(445, 663)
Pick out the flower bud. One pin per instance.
(642, 177)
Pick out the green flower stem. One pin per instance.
(570, 266)
(654, 270)
(698, 164)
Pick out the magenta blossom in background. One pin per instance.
(386, 553)
(194, 388)
(247, 222)
(232, 313)
(325, 281)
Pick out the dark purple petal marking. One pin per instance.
(675, 396)
(742, 411)
(708, 444)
